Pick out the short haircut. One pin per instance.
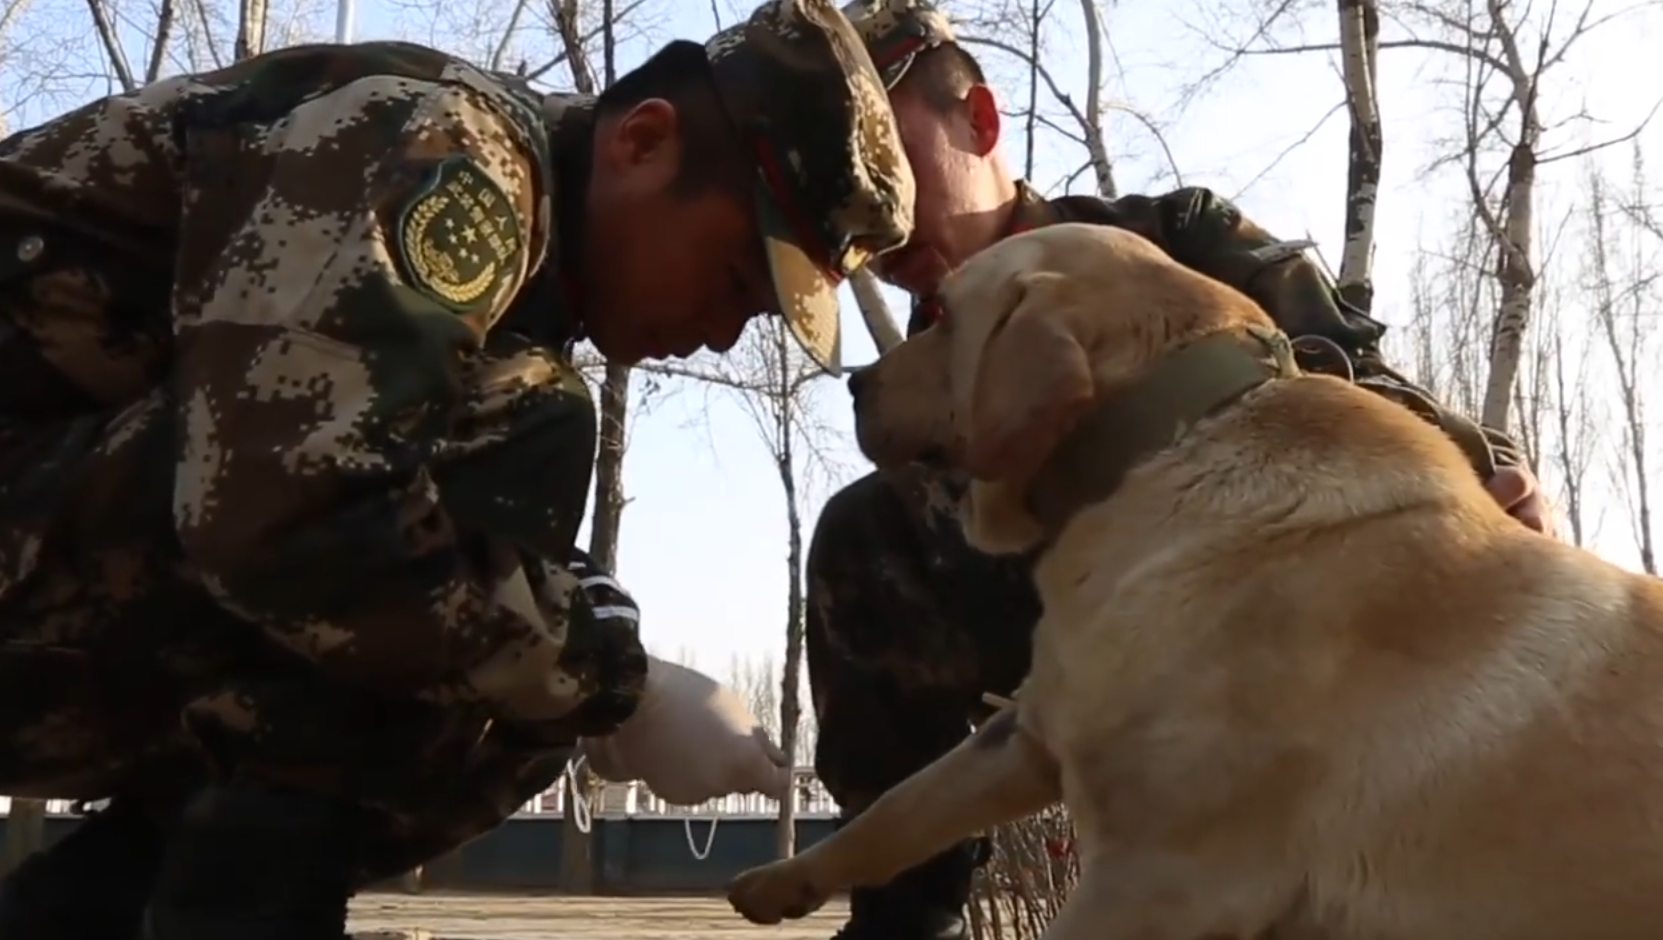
(943, 74)
(712, 156)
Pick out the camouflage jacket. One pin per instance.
(313, 253)
(1209, 234)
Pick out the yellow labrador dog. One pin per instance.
(1298, 674)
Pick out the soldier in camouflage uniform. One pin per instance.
(292, 452)
(908, 626)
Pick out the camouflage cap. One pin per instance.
(895, 31)
(834, 186)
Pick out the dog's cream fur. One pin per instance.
(1299, 677)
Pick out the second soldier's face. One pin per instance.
(949, 151)
(668, 272)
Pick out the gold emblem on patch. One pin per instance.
(458, 236)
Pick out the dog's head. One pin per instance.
(1034, 331)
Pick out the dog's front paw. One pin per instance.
(777, 891)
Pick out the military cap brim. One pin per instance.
(805, 292)
(834, 184)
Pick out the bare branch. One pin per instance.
(1427, 45)
(158, 47)
(1089, 119)
(112, 46)
(202, 19)
(1634, 133)
(1303, 139)
(499, 51)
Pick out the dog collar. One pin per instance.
(1154, 413)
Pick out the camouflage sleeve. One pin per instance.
(512, 762)
(339, 268)
(1209, 234)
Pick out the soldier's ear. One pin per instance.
(644, 143)
(982, 106)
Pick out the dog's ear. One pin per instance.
(1032, 381)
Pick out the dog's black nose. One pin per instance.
(858, 379)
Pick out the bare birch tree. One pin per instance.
(777, 387)
(1570, 441)
(874, 310)
(1448, 299)
(1359, 52)
(606, 520)
(757, 680)
(780, 402)
(1622, 280)
(1504, 53)
(607, 516)
(57, 54)
(1070, 108)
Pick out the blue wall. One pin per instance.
(634, 855)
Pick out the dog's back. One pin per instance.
(1307, 644)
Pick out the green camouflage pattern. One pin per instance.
(896, 31)
(835, 187)
(280, 489)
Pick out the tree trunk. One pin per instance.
(25, 830)
(1512, 225)
(1102, 167)
(1569, 433)
(577, 863)
(607, 518)
(785, 463)
(1624, 342)
(790, 712)
(251, 29)
(1516, 276)
(1359, 45)
(874, 310)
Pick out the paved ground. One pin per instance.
(513, 917)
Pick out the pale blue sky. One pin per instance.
(703, 545)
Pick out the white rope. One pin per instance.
(581, 815)
(709, 839)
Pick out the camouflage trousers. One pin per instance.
(907, 627)
(122, 676)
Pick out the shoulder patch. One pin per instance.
(459, 236)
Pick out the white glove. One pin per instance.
(690, 740)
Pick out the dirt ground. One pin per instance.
(517, 917)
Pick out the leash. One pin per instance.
(582, 816)
(709, 838)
